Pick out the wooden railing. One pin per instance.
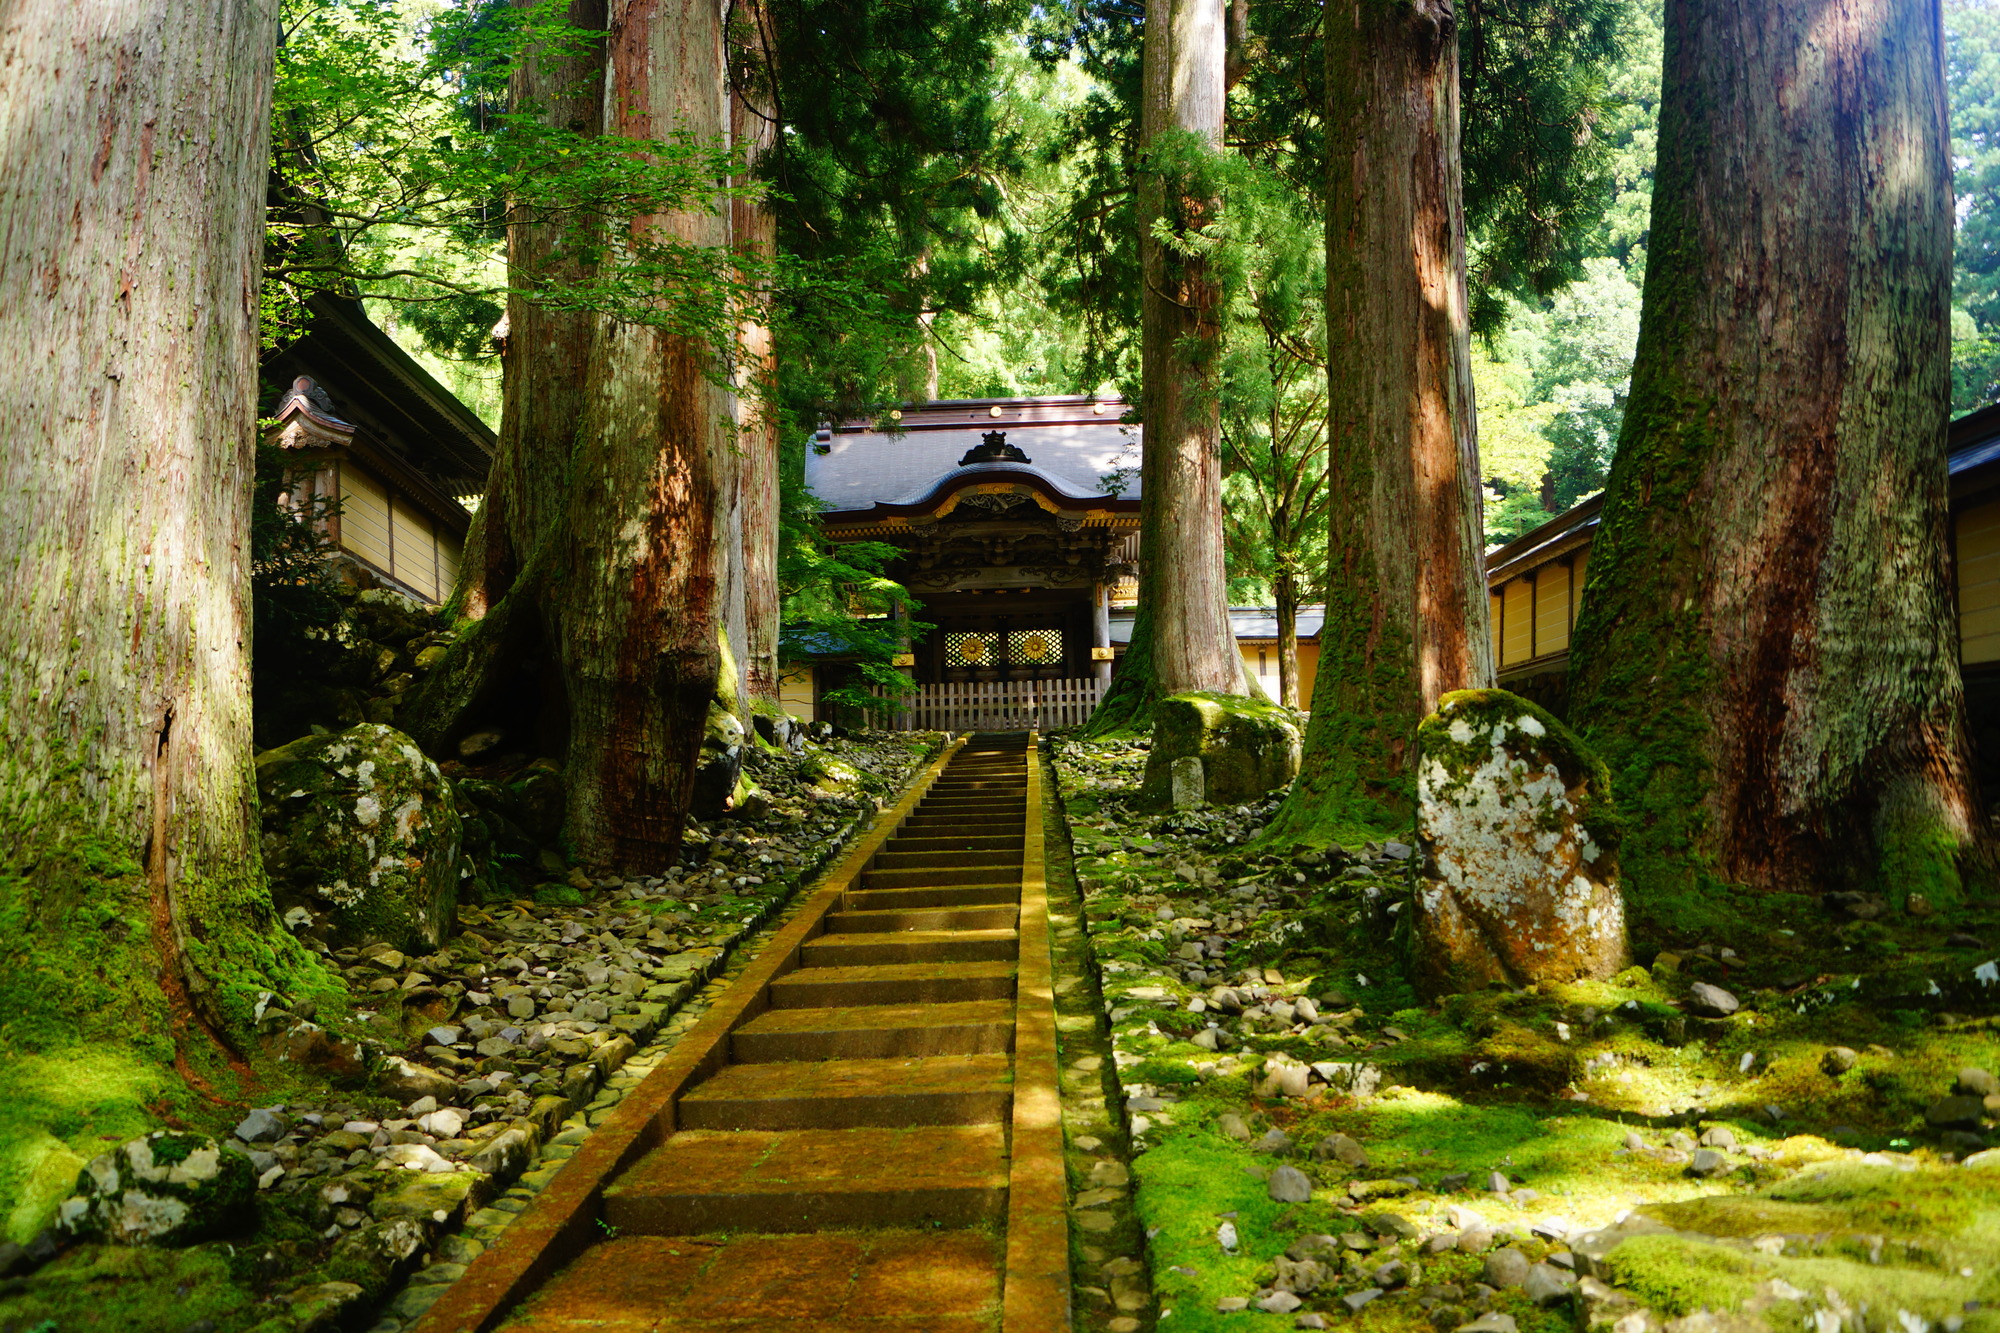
(991, 705)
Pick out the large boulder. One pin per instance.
(361, 830)
(1519, 837)
(1245, 748)
(164, 1189)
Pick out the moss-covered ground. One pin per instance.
(78, 1093)
(1587, 1100)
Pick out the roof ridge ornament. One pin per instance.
(993, 448)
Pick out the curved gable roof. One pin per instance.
(1071, 448)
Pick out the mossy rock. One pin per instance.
(362, 830)
(163, 1189)
(1519, 837)
(719, 770)
(1247, 747)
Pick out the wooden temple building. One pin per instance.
(373, 429)
(1018, 521)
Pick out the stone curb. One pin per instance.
(1036, 1280)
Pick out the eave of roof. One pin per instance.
(992, 414)
(1972, 463)
(941, 498)
(371, 376)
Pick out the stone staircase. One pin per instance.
(865, 1111)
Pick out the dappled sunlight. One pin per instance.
(1526, 1118)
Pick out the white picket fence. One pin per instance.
(992, 705)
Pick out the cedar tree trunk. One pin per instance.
(754, 232)
(545, 351)
(500, 669)
(1406, 613)
(134, 141)
(1767, 656)
(1183, 618)
(1285, 591)
(610, 544)
(652, 558)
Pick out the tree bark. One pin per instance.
(615, 499)
(1284, 590)
(1406, 598)
(652, 498)
(1183, 587)
(501, 668)
(1766, 653)
(754, 231)
(546, 349)
(133, 155)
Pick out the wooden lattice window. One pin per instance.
(1034, 647)
(971, 648)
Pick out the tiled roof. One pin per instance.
(1068, 446)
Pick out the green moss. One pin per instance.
(1356, 780)
(1918, 848)
(1679, 1276)
(1247, 747)
(133, 1290)
(1127, 706)
(559, 895)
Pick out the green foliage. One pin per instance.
(398, 168)
(888, 187)
(1583, 372)
(1274, 396)
(1972, 79)
(1016, 341)
(839, 605)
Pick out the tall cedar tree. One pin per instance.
(753, 127)
(1183, 593)
(133, 144)
(610, 554)
(1533, 187)
(1766, 655)
(1181, 639)
(1406, 614)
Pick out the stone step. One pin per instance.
(893, 983)
(911, 946)
(999, 916)
(940, 876)
(812, 1179)
(875, 1032)
(896, 859)
(968, 842)
(883, 1280)
(845, 1094)
(952, 826)
(963, 895)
